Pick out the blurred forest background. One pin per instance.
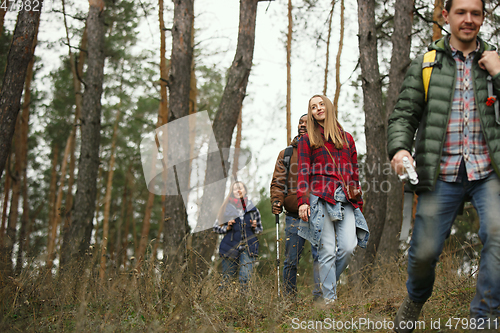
(76, 214)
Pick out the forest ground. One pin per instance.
(162, 299)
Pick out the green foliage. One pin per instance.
(210, 88)
(58, 118)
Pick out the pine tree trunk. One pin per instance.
(16, 194)
(223, 127)
(120, 224)
(338, 85)
(437, 29)
(129, 215)
(57, 212)
(77, 72)
(83, 213)
(24, 132)
(237, 143)
(330, 19)
(107, 199)
(375, 132)
(18, 59)
(179, 84)
(400, 60)
(163, 109)
(289, 75)
(52, 206)
(6, 194)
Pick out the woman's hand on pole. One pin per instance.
(304, 212)
(230, 225)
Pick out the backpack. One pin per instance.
(427, 66)
(286, 161)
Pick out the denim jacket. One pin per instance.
(312, 230)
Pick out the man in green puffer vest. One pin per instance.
(457, 153)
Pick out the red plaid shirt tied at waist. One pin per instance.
(320, 176)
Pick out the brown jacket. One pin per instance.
(279, 178)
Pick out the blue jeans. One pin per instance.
(436, 212)
(293, 249)
(230, 268)
(336, 245)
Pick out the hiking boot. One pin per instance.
(407, 315)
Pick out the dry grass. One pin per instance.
(173, 300)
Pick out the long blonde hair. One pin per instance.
(222, 210)
(333, 129)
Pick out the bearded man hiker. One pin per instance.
(457, 155)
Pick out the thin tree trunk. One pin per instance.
(289, 75)
(53, 184)
(119, 225)
(223, 127)
(330, 20)
(107, 199)
(129, 215)
(338, 85)
(57, 212)
(22, 159)
(77, 72)
(18, 59)
(7, 234)
(98, 201)
(375, 132)
(237, 144)
(179, 84)
(83, 213)
(16, 194)
(437, 29)
(164, 69)
(52, 206)
(30, 227)
(400, 59)
(6, 194)
(163, 111)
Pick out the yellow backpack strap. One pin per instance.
(427, 64)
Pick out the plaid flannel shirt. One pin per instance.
(320, 176)
(464, 137)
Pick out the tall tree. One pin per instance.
(438, 19)
(375, 124)
(289, 74)
(223, 126)
(400, 60)
(18, 59)
(237, 144)
(179, 84)
(6, 194)
(330, 20)
(84, 208)
(56, 211)
(338, 85)
(77, 74)
(107, 198)
(23, 155)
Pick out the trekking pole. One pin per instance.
(278, 251)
